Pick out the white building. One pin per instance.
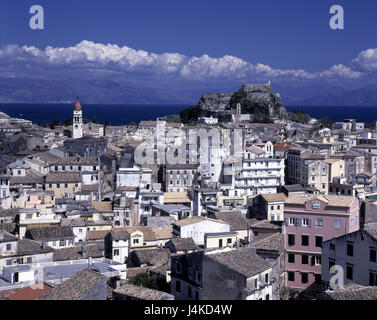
(260, 173)
(197, 227)
(77, 121)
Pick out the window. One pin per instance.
(266, 278)
(372, 279)
(62, 243)
(66, 185)
(305, 222)
(318, 279)
(189, 293)
(178, 286)
(255, 283)
(178, 267)
(350, 249)
(318, 261)
(372, 255)
(229, 240)
(305, 241)
(9, 246)
(58, 185)
(332, 246)
(292, 221)
(318, 241)
(316, 204)
(304, 259)
(267, 297)
(29, 260)
(319, 223)
(116, 252)
(331, 263)
(337, 224)
(350, 272)
(304, 277)
(291, 258)
(136, 241)
(272, 207)
(291, 239)
(291, 276)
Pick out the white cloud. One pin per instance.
(110, 58)
(366, 60)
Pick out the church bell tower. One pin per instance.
(77, 121)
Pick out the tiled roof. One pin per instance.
(274, 197)
(30, 293)
(272, 242)
(76, 253)
(76, 287)
(63, 177)
(120, 234)
(49, 233)
(97, 235)
(331, 200)
(235, 219)
(7, 237)
(182, 244)
(242, 261)
(141, 293)
(162, 233)
(103, 206)
(174, 197)
(151, 257)
(148, 233)
(351, 292)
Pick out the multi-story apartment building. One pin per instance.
(5, 199)
(309, 221)
(307, 168)
(354, 164)
(224, 274)
(355, 253)
(180, 177)
(260, 173)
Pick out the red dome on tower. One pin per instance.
(77, 106)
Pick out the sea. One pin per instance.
(128, 114)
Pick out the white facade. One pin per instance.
(78, 127)
(260, 173)
(197, 230)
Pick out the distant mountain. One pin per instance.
(91, 91)
(358, 97)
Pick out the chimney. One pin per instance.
(90, 263)
(84, 252)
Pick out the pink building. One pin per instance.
(42, 200)
(310, 220)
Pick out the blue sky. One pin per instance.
(282, 35)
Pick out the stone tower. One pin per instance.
(77, 121)
(238, 110)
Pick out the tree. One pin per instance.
(190, 114)
(55, 123)
(147, 281)
(300, 116)
(144, 280)
(68, 122)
